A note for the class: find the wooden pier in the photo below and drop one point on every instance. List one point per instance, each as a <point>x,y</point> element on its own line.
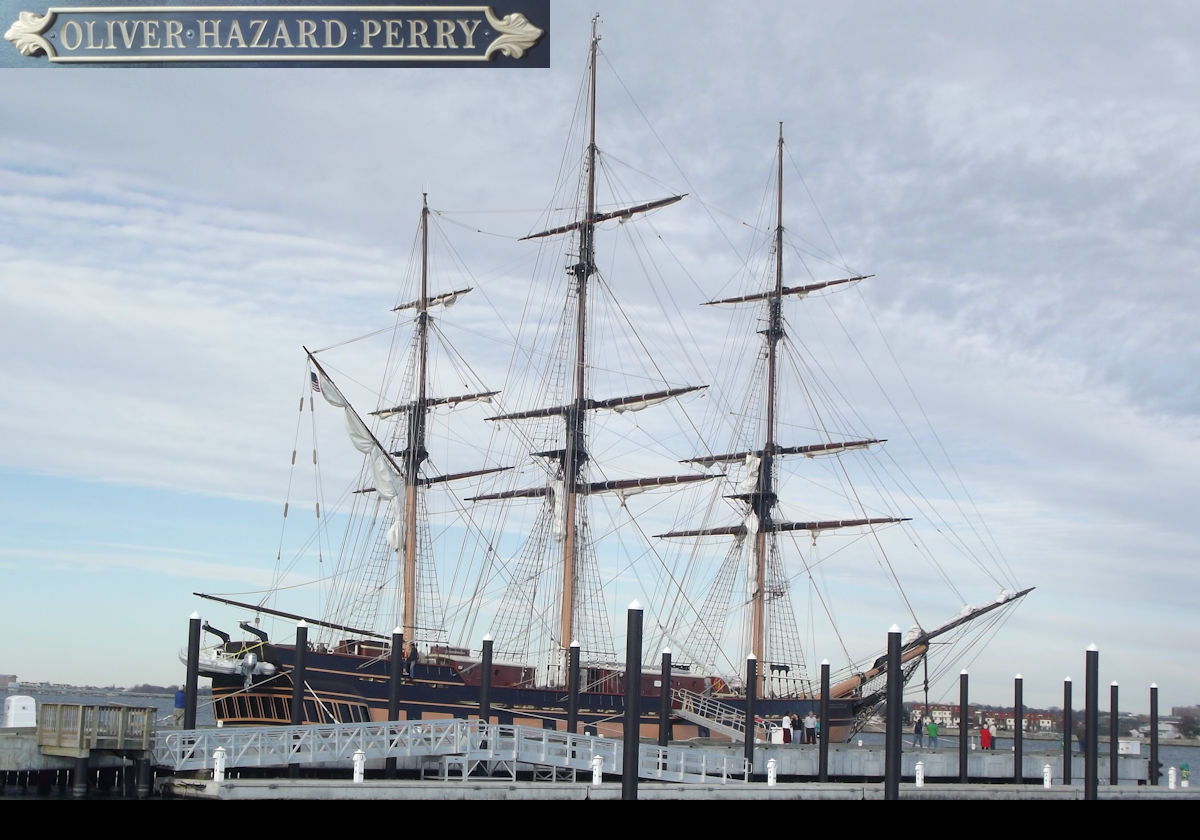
<point>74,744</point>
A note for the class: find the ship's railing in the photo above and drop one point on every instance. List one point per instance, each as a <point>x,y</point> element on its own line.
<point>72,729</point>
<point>476,743</point>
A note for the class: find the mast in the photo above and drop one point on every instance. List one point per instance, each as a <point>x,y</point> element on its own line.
<point>761,500</point>
<point>574,456</point>
<point>764,498</point>
<point>397,474</point>
<point>416,453</point>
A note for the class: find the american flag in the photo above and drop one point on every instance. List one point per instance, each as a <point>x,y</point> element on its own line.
<point>316,385</point>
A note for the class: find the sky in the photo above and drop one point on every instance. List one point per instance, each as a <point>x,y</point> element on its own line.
<point>1021,179</point>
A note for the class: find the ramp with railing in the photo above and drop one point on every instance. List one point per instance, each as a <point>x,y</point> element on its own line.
<point>445,747</point>
<point>717,716</point>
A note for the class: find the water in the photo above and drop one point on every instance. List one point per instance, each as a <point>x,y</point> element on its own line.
<point>1170,753</point>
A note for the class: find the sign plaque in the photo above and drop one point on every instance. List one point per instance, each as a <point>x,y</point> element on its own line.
<point>338,33</point>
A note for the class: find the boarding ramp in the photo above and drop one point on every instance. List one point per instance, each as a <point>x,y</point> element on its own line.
<point>444,748</point>
<point>718,717</point>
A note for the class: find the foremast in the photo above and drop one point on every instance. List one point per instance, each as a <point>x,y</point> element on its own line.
<point>396,473</point>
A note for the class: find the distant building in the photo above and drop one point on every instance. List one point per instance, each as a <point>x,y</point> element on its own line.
<point>7,680</point>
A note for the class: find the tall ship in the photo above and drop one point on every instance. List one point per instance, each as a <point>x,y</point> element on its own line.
<point>538,548</point>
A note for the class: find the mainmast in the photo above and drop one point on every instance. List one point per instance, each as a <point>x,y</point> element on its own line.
<point>575,451</point>
<point>573,457</point>
<point>764,498</point>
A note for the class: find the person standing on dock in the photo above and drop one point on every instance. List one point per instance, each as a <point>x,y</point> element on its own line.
<point>933,733</point>
<point>919,732</point>
<point>810,728</point>
<point>985,738</point>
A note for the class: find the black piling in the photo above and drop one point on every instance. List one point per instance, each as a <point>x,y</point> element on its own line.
<point>751,697</point>
<point>79,787</point>
<point>964,726</point>
<point>894,721</point>
<point>395,677</point>
<point>298,686</point>
<point>573,690</point>
<point>633,694</point>
<point>191,685</point>
<point>1091,717</point>
<point>664,701</point>
<point>485,683</point>
<point>1019,733</point>
<point>823,741</point>
<point>1113,729</point>
<point>1155,767</point>
<point>1067,731</point>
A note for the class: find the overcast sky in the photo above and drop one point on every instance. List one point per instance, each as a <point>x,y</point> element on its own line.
<point>1021,179</point>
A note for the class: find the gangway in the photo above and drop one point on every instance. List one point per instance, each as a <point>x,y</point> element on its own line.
<point>717,716</point>
<point>444,746</point>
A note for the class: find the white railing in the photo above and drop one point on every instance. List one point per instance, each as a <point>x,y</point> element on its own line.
<point>477,744</point>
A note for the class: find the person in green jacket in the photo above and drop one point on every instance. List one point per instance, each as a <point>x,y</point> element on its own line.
<point>932,731</point>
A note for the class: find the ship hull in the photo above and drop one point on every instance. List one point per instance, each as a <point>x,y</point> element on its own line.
<point>348,688</point>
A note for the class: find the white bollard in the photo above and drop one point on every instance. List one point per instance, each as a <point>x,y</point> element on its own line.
<point>920,774</point>
<point>860,742</point>
<point>597,769</point>
<point>360,766</point>
<point>1171,778</point>
<point>1046,775</point>
<point>771,776</point>
<point>219,764</point>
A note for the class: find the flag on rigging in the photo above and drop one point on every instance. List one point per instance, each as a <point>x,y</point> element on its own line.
<point>316,386</point>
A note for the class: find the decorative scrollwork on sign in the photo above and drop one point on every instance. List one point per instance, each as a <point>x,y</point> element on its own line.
<point>26,33</point>
<point>519,34</point>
